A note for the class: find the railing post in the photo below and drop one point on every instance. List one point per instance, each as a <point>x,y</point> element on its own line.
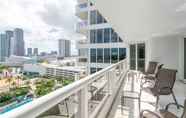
<point>110,78</point>
<point>76,77</point>
<point>83,103</point>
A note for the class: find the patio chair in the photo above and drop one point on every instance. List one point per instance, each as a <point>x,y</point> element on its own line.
<point>163,85</point>
<point>151,78</point>
<point>163,113</point>
<point>151,68</point>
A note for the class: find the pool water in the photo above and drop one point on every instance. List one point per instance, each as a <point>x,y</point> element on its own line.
<point>15,105</point>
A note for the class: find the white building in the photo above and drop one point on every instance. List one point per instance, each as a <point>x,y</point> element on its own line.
<point>64,48</point>
<point>54,70</point>
<point>103,46</point>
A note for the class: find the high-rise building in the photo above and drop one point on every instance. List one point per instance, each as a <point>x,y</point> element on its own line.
<point>64,48</point>
<point>36,52</point>
<point>29,51</point>
<point>3,47</point>
<point>103,45</point>
<point>9,37</point>
<point>17,43</point>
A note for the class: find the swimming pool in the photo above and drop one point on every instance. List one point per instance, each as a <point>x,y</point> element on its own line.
<point>15,105</point>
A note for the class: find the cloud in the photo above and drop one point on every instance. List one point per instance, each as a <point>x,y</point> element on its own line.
<point>43,21</point>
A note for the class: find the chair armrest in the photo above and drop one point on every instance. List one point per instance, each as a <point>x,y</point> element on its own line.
<point>167,106</point>
<point>153,113</point>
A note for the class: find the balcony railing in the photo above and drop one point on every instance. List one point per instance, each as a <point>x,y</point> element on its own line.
<point>90,94</point>
<point>81,25</point>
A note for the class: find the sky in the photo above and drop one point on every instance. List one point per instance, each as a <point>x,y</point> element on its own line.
<point>43,21</point>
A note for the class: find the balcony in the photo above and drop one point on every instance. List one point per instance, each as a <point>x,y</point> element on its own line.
<point>96,96</point>
<point>82,10</point>
<point>81,27</point>
<point>82,44</point>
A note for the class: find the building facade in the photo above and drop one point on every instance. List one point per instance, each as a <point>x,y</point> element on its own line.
<point>3,47</point>
<point>102,43</point>
<point>64,48</point>
<point>29,52</point>
<point>36,53</point>
<point>9,37</point>
<point>17,44</point>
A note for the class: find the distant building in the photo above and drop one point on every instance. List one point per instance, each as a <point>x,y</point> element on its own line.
<point>3,47</point>
<point>53,52</point>
<point>36,52</point>
<point>64,48</point>
<point>9,37</point>
<point>43,54</point>
<point>17,43</point>
<point>29,51</point>
<point>53,70</point>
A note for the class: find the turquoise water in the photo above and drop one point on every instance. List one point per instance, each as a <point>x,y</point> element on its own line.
<point>15,105</point>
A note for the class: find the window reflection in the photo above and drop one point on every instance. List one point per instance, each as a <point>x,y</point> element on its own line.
<point>99,55</point>
<point>93,55</point>
<point>107,55</point>
<point>114,54</point>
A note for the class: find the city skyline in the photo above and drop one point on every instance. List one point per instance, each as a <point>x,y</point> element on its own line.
<point>42,21</point>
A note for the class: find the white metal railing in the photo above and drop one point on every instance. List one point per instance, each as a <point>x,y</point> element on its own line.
<point>109,79</point>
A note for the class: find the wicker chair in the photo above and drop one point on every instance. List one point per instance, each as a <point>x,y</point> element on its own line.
<point>163,113</point>
<point>163,85</point>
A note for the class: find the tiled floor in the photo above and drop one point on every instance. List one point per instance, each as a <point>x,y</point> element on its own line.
<point>131,109</point>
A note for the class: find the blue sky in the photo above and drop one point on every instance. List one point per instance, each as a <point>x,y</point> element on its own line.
<point>44,21</point>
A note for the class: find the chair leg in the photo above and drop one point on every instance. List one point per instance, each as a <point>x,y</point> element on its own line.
<point>157,101</point>
<point>174,97</point>
<point>67,108</point>
<point>139,104</point>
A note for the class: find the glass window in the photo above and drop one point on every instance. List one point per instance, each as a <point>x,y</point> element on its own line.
<point>104,20</point>
<point>93,55</point>
<point>114,53</point>
<point>133,57</point>
<point>107,55</point>
<point>99,18</point>
<point>93,17</point>
<point>99,55</point>
<point>92,70</point>
<point>100,36</point>
<point>92,36</point>
<point>141,56</point>
<point>106,35</point>
<point>141,51</point>
<point>98,69</point>
<point>122,53</point>
<point>114,36</point>
<point>120,40</point>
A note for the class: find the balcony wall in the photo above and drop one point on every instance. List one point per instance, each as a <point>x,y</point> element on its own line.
<point>167,50</point>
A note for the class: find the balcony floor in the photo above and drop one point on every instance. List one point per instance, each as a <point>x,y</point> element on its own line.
<point>131,109</point>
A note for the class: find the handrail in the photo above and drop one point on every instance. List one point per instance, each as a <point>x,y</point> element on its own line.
<point>44,103</point>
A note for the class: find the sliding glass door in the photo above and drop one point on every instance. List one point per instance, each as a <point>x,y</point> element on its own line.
<point>137,56</point>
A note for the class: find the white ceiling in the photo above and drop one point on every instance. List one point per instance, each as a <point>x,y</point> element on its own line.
<point>142,19</point>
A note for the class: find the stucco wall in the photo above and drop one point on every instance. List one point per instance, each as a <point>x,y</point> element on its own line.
<point>167,50</point>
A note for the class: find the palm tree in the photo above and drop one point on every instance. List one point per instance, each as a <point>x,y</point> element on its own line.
<point>9,80</point>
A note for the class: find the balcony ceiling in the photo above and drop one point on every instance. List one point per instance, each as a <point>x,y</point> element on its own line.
<point>142,19</point>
